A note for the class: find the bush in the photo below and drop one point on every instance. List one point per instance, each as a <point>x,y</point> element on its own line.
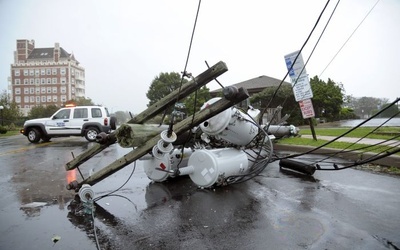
<point>3,130</point>
<point>11,126</point>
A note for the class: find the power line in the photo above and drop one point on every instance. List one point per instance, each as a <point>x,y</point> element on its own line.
<point>291,67</point>
<point>349,37</point>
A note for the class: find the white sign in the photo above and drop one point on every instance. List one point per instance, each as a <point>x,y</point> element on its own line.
<point>307,109</point>
<point>301,88</point>
<point>297,67</point>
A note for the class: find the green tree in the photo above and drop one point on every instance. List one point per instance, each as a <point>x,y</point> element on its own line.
<point>10,113</point>
<point>198,99</point>
<point>42,111</point>
<point>162,85</point>
<point>367,106</point>
<point>284,98</point>
<point>391,111</point>
<point>121,116</point>
<point>328,98</point>
<point>165,83</point>
<point>80,101</point>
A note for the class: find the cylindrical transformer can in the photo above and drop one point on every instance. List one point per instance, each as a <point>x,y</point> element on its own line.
<point>208,165</point>
<point>159,169</point>
<point>231,125</point>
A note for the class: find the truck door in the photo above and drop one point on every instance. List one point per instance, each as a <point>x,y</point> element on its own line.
<point>79,117</point>
<point>59,123</point>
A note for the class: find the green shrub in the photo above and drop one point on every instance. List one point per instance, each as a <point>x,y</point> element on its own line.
<point>11,126</point>
<point>3,130</point>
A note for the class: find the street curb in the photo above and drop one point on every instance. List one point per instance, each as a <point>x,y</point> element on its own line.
<point>390,161</point>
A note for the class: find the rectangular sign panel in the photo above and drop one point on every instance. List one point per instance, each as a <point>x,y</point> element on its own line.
<point>302,88</point>
<point>297,67</point>
<point>300,82</point>
<point>307,109</point>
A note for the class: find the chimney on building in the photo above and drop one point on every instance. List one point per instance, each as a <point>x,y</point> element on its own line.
<point>24,49</point>
<point>56,52</point>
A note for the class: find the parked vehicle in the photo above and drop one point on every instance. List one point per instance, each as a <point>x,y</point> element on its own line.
<point>87,121</point>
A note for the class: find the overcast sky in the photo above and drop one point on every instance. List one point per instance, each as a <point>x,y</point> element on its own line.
<point>124,45</point>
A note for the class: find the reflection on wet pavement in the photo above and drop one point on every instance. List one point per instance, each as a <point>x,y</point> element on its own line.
<point>279,209</point>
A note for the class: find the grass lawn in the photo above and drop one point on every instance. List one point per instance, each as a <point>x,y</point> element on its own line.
<point>10,133</point>
<point>381,133</point>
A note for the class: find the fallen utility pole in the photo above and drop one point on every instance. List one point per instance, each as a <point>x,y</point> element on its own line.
<point>155,109</point>
<point>233,97</point>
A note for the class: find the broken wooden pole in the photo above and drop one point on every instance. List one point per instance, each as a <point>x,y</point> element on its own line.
<point>186,89</point>
<point>134,135</point>
<point>179,128</point>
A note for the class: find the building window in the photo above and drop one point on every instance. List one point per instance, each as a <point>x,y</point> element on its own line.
<point>37,99</point>
<point>37,81</point>
<point>73,90</point>
<point>49,98</point>
<point>43,99</point>
<point>31,81</point>
<point>43,90</point>
<point>17,91</point>
<point>31,72</point>
<point>54,80</point>
<point>17,82</point>
<point>25,81</point>
<point>48,90</point>
<point>63,80</point>
<point>26,99</point>
<point>54,71</point>
<point>17,72</point>
<point>63,90</point>
<point>54,98</point>
<point>43,72</point>
<point>26,72</point>
<point>48,80</point>
<point>32,99</point>
<point>26,90</point>
<point>37,72</point>
<point>32,91</point>
<point>42,80</point>
<point>72,72</point>
<point>63,98</point>
<point>48,71</point>
<point>18,99</point>
<point>37,90</point>
<point>54,90</point>
<point>62,71</point>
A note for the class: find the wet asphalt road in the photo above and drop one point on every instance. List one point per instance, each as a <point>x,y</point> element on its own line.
<point>348,209</point>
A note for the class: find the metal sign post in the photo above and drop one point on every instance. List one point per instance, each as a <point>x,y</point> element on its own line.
<point>301,86</point>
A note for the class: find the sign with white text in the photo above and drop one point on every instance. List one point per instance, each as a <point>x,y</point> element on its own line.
<point>307,109</point>
<point>299,79</point>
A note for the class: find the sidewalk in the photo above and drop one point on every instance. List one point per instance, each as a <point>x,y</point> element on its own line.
<point>393,160</point>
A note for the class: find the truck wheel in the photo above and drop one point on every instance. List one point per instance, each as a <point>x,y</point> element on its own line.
<point>91,133</point>
<point>113,122</point>
<point>34,135</point>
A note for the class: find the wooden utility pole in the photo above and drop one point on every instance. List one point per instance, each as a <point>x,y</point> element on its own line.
<point>312,129</point>
<point>179,128</point>
<point>155,109</point>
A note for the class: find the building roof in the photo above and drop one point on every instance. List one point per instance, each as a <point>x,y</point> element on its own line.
<point>44,53</point>
<point>256,84</point>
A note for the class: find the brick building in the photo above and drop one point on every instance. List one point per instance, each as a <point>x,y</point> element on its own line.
<point>44,76</point>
